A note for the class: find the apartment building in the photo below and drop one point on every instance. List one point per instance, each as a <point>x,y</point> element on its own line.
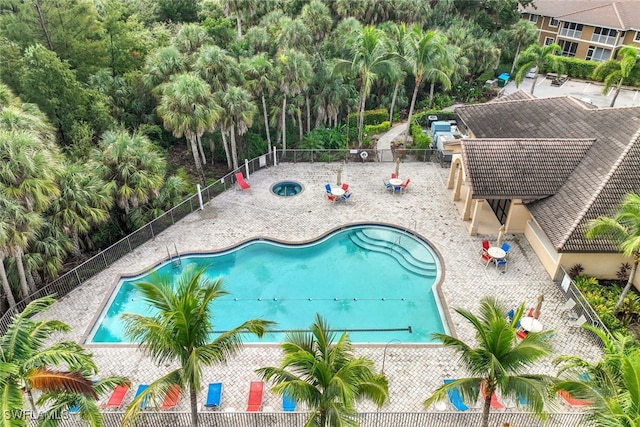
<point>587,29</point>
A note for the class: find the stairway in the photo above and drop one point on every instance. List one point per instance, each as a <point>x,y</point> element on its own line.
<point>404,249</point>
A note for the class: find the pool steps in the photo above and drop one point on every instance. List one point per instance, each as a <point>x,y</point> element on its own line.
<point>419,261</point>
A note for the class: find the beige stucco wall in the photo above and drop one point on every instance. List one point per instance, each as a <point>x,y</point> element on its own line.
<point>541,246</point>
<point>517,218</point>
<point>602,266</point>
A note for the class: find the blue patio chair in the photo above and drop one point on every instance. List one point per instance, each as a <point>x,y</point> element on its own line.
<point>505,247</point>
<point>328,188</point>
<point>455,397</point>
<point>345,196</point>
<point>288,403</point>
<point>501,263</point>
<point>387,185</point>
<point>510,314</point>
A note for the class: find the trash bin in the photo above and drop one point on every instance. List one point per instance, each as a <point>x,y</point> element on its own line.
<point>502,83</point>
<point>503,79</point>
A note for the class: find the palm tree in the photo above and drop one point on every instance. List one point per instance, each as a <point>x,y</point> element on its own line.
<point>428,59</point>
<point>537,56</point>
<point>4,249</point>
<point>187,108</point>
<point>181,331</point>
<point>239,113</point>
<point>20,226</point>
<point>498,360</point>
<point>215,66</point>
<point>325,374</point>
<point>397,36</point>
<point>623,230</point>
<point>260,81</point>
<point>522,33</point>
<point>237,8</point>
<point>29,356</point>
<point>295,75</point>
<point>190,38</point>
<point>610,384</point>
<point>371,59</point>
<point>161,65</point>
<point>84,202</point>
<point>132,164</point>
<point>618,71</point>
<point>29,168</point>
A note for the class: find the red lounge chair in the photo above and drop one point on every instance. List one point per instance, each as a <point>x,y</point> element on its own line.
<point>495,403</point>
<point>171,398</point>
<point>255,396</point>
<point>572,400</point>
<point>241,182</point>
<point>117,396</point>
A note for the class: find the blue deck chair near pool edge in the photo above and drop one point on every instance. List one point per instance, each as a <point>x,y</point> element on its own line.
<point>288,403</point>
<point>214,395</point>
<point>139,391</point>
<point>455,397</point>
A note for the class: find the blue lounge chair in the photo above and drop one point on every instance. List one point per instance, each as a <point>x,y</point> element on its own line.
<point>214,395</point>
<point>455,397</point>
<point>522,400</point>
<point>288,403</point>
<point>328,188</point>
<point>139,391</point>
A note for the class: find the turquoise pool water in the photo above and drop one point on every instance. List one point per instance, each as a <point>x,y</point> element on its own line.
<point>376,282</point>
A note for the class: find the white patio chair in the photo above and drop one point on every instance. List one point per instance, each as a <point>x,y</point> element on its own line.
<point>569,306</point>
<point>578,322</point>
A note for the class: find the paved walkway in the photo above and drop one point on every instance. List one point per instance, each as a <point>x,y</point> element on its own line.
<point>414,370</point>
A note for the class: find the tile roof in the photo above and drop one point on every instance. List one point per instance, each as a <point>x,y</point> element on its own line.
<point>598,183</point>
<point>621,14</point>
<point>520,168</point>
<point>514,96</point>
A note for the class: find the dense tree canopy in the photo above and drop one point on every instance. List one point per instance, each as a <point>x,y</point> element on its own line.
<point>120,85</point>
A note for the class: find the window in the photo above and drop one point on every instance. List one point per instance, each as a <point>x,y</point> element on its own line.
<point>501,208</point>
<point>553,22</point>
<point>637,37</point>
<point>548,41</point>
<point>571,29</point>
<point>598,54</point>
<point>568,48</point>
<point>533,18</point>
<point>604,35</point>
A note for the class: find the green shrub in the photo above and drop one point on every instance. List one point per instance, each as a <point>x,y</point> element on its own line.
<point>371,117</point>
<point>577,68</point>
<point>374,129</point>
<point>325,139</point>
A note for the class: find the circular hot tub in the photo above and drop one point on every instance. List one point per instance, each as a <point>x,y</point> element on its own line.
<point>286,188</point>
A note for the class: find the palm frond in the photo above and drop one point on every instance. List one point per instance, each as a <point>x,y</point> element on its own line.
<point>46,380</point>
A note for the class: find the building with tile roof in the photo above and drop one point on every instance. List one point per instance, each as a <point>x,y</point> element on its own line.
<point>545,168</point>
<point>586,29</point>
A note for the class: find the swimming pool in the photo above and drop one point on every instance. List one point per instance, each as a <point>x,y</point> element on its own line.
<point>376,282</point>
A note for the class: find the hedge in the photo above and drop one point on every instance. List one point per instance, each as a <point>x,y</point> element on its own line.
<point>374,129</point>
<point>371,117</point>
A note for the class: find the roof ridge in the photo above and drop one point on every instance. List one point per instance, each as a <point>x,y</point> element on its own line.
<point>614,5</point>
<point>594,197</point>
<point>598,6</point>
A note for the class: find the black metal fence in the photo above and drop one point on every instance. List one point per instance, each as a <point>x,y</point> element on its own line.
<point>582,308</point>
<point>369,419</point>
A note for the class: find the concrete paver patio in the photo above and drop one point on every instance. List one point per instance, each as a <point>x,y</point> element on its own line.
<point>427,207</point>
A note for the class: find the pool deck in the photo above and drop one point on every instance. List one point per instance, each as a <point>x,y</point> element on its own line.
<point>427,208</point>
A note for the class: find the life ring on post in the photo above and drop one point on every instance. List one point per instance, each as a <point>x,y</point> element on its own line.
<point>364,155</point>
